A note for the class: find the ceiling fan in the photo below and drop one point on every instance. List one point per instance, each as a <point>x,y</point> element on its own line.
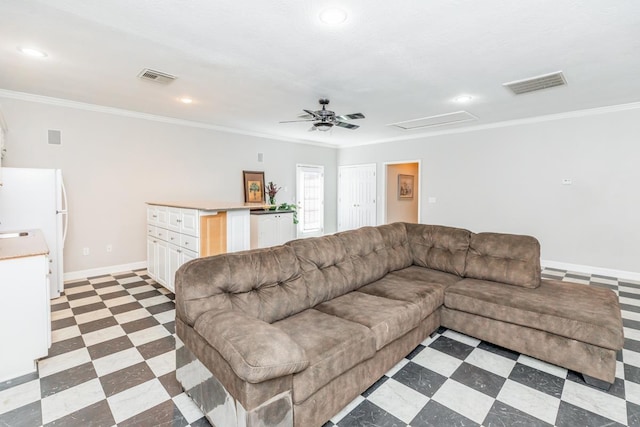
<point>326,119</point>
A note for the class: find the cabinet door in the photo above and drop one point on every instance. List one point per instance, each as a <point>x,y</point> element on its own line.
<point>163,218</point>
<point>286,228</point>
<point>152,257</point>
<point>189,222</point>
<point>173,219</point>
<point>188,255</point>
<point>162,262</point>
<point>268,231</point>
<point>175,261</point>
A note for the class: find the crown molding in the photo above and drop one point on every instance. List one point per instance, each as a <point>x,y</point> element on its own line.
<point>59,102</point>
<point>508,123</point>
<point>29,97</point>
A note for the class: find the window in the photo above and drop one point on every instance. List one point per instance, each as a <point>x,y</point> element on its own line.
<point>310,192</point>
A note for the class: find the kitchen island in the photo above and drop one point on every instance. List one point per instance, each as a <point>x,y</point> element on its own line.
<point>180,231</point>
<point>25,314</point>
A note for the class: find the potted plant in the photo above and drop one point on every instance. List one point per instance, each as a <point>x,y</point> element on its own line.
<point>271,190</point>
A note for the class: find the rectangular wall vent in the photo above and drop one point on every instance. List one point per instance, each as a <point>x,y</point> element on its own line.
<point>156,76</point>
<point>432,121</point>
<point>533,84</point>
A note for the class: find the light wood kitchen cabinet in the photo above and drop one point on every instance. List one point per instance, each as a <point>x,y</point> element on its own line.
<point>178,234</point>
<point>271,228</point>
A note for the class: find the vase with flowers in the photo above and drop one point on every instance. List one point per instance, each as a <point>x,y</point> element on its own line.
<point>271,190</point>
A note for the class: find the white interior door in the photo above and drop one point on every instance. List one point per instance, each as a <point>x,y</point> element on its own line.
<point>356,196</point>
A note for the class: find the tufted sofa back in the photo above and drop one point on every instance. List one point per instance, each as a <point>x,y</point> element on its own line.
<point>274,283</point>
<point>263,283</point>
<point>439,247</point>
<point>506,258</point>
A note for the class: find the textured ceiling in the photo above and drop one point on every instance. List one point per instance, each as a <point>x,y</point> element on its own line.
<point>252,63</point>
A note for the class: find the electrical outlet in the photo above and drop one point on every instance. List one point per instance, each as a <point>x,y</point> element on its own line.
<point>109,248</point>
<point>85,251</point>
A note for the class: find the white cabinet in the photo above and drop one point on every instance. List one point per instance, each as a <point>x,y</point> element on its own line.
<point>25,317</point>
<point>271,228</point>
<point>185,221</point>
<point>176,235</point>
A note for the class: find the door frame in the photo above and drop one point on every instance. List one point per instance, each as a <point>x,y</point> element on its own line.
<point>383,193</point>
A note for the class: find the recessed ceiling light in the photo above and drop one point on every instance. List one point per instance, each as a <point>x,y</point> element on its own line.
<point>333,16</point>
<point>32,52</point>
<point>463,98</point>
<point>186,100</point>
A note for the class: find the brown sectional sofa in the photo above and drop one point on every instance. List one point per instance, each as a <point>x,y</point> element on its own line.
<point>287,336</point>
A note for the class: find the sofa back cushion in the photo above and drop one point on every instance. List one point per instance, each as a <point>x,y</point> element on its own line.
<point>396,243</point>
<point>340,263</point>
<point>326,269</point>
<point>439,247</point>
<point>368,253</point>
<point>265,283</point>
<point>506,258</point>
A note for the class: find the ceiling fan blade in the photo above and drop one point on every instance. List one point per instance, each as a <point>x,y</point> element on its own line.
<point>293,121</point>
<point>305,116</point>
<point>346,125</point>
<point>311,113</point>
<point>351,116</point>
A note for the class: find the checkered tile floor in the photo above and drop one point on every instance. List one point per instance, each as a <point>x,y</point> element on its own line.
<point>112,362</point>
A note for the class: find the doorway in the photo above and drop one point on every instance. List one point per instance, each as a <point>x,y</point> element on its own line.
<point>402,192</point>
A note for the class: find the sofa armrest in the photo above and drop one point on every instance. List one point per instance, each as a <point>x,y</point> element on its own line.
<point>255,350</point>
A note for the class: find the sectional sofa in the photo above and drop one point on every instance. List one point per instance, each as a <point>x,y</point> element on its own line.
<point>287,336</point>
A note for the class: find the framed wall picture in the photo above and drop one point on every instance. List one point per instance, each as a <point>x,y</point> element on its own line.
<point>253,186</point>
<point>405,186</point>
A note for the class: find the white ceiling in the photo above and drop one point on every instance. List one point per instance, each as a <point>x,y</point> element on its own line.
<point>249,64</point>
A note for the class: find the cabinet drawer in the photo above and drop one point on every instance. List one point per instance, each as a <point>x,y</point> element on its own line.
<point>189,242</point>
<point>151,230</point>
<point>173,237</point>
<point>162,233</point>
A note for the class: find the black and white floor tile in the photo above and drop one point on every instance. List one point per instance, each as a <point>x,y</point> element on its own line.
<point>112,362</point>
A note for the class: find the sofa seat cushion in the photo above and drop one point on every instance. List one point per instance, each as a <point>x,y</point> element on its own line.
<point>427,296</point>
<point>388,319</point>
<point>332,345</point>
<point>416,273</point>
<point>580,312</point>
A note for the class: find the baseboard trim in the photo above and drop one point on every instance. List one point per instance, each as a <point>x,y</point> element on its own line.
<point>621,274</point>
<point>82,274</point>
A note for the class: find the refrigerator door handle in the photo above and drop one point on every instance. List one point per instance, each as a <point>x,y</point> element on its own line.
<point>64,212</point>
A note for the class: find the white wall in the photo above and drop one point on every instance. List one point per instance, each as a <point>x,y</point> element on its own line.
<point>401,210</point>
<point>509,179</point>
<point>113,164</point>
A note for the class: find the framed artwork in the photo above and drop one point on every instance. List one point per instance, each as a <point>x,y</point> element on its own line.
<point>253,186</point>
<point>405,187</point>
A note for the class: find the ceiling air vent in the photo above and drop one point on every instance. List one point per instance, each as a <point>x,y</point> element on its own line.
<point>432,121</point>
<point>156,76</point>
<point>533,84</point>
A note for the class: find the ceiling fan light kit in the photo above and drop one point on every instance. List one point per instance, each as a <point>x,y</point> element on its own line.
<point>326,119</point>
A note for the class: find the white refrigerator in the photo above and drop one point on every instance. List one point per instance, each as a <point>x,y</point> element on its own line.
<point>36,199</point>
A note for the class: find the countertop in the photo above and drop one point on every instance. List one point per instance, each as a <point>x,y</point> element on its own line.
<point>269,212</point>
<point>18,247</point>
<point>207,205</point>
